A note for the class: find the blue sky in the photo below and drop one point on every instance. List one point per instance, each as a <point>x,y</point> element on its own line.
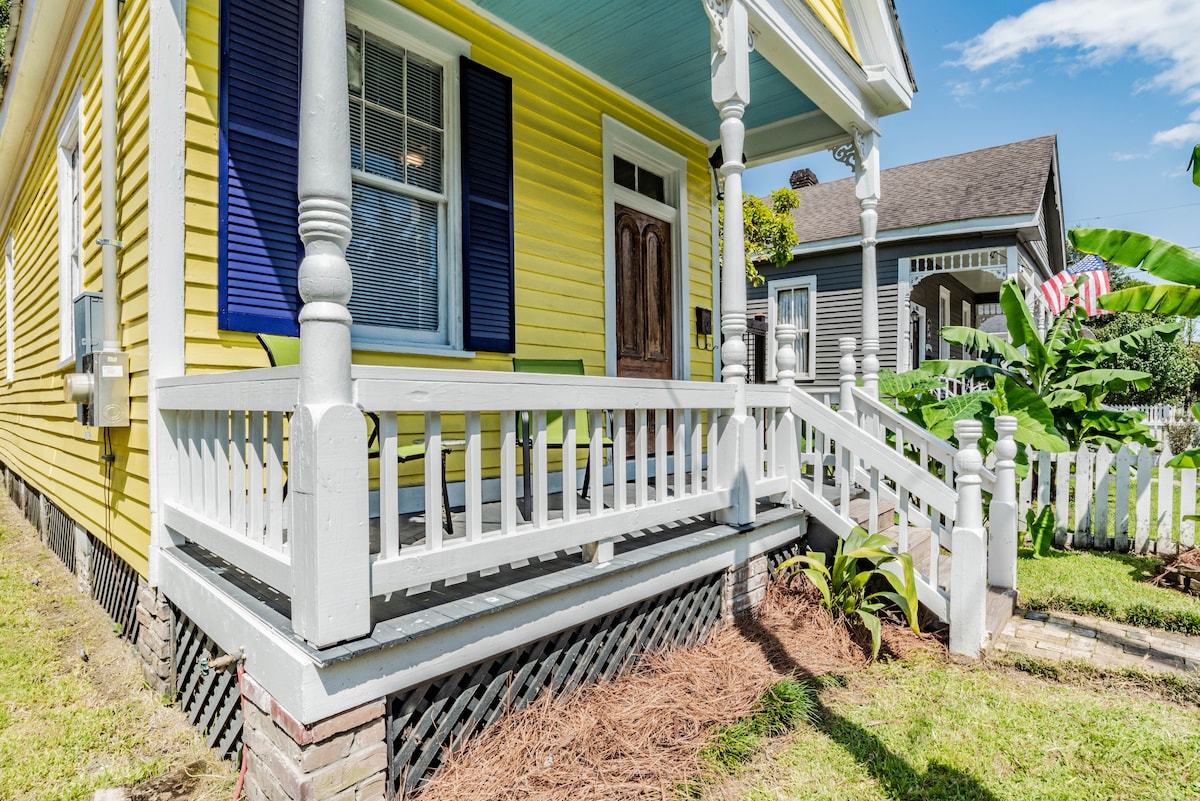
<point>1117,80</point>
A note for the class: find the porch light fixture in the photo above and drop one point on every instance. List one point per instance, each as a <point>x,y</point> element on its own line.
<point>715,161</point>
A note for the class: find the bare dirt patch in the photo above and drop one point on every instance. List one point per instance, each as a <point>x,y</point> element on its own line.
<point>75,714</point>
<point>640,736</point>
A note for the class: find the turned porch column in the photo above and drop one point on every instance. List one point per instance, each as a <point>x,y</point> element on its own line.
<point>328,480</point>
<point>730,94</point>
<point>862,155</point>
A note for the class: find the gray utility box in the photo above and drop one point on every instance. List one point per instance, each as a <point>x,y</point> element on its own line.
<point>100,384</point>
<point>89,326</point>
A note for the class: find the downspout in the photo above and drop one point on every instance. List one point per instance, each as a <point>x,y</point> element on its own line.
<point>108,176</point>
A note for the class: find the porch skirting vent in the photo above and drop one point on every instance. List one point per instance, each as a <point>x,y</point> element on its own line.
<point>115,586</point>
<point>423,721</point>
<point>209,698</point>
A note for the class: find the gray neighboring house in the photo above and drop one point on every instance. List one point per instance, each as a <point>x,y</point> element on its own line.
<point>951,230</point>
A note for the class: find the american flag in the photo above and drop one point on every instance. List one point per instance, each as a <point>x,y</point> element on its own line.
<point>1090,267</point>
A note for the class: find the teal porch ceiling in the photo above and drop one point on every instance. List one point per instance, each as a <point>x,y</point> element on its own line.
<point>656,50</point>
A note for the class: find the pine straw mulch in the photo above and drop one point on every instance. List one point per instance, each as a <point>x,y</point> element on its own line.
<point>639,737</point>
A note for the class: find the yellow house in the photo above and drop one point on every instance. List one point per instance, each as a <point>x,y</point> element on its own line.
<point>426,193</point>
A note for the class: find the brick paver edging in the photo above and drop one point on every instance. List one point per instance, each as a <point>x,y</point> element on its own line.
<point>1059,636</point>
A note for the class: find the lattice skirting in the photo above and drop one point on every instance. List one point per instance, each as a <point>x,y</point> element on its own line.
<point>422,722</point>
<point>115,586</point>
<point>114,582</point>
<point>210,698</point>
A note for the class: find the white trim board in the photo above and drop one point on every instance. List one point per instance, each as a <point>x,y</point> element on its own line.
<point>165,240</point>
<point>981,226</point>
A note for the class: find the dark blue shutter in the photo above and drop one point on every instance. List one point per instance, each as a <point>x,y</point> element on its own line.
<point>259,247</point>
<point>489,297</point>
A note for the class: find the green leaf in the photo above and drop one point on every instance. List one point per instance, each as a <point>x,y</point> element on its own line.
<point>1165,299</point>
<point>1035,419</point>
<point>1112,380</point>
<point>872,623</point>
<point>1156,256</point>
<point>908,383</point>
<point>1135,339</point>
<point>1187,459</point>
<point>1022,329</point>
<point>974,339</point>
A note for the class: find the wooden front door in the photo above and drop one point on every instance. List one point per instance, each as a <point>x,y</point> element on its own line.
<point>644,310</point>
<point>645,343</point>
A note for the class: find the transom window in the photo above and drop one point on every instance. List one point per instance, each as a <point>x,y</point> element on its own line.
<point>398,250</point>
<point>793,301</point>
<point>639,179</point>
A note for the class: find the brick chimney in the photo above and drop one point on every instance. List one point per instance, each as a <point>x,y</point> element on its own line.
<point>803,178</point>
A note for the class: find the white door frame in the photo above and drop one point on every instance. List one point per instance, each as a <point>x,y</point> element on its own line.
<point>621,140</point>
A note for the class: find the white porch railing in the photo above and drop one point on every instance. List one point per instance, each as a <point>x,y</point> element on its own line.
<point>676,451</point>
<point>226,478</point>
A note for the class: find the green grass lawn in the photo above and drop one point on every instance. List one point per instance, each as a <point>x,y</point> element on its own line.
<point>70,725</point>
<point>927,729</point>
<point>1108,585</point>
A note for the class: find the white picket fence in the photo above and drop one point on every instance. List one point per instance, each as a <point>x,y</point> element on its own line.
<point>1128,500</point>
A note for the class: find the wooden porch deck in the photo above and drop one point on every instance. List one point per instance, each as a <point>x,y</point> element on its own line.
<point>408,616</point>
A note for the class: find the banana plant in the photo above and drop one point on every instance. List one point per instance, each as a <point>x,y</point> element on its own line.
<point>1054,385</point>
<point>1156,256</point>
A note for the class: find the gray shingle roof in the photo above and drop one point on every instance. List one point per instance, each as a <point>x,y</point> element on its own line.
<point>993,182</point>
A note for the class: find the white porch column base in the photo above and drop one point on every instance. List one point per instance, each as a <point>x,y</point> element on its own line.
<point>1002,516</point>
<point>968,565</point>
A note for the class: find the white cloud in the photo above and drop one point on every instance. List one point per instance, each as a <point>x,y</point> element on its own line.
<point>1186,134</point>
<point>1160,32</point>
<point>1129,156</point>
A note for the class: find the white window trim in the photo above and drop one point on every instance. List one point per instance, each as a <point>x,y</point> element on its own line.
<point>9,326</point>
<point>943,320</point>
<point>621,140</point>
<point>69,138</point>
<point>808,282</point>
<point>410,31</point>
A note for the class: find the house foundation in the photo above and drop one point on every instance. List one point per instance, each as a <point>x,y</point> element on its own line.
<point>341,758</point>
<point>155,640</point>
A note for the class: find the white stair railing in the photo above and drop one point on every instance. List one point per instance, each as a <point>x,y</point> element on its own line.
<point>921,490</point>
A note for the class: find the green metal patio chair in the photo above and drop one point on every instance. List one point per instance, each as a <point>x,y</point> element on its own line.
<point>554,424</point>
<point>283,351</point>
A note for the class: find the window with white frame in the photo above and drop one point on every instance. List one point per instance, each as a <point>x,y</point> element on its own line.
<point>401,254</point>
<point>70,230</point>
<point>9,326</point>
<point>794,300</point>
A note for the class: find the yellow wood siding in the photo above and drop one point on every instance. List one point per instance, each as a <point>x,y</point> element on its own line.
<point>833,14</point>
<point>39,437</point>
<point>558,188</point>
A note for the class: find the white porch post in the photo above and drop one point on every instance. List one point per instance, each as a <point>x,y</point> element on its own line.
<point>731,94</point>
<point>862,155</point>
<point>1002,516</point>
<point>330,539</point>
<point>968,565</point>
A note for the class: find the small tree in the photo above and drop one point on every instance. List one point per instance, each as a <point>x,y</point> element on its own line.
<point>1170,363</point>
<point>770,230</point>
